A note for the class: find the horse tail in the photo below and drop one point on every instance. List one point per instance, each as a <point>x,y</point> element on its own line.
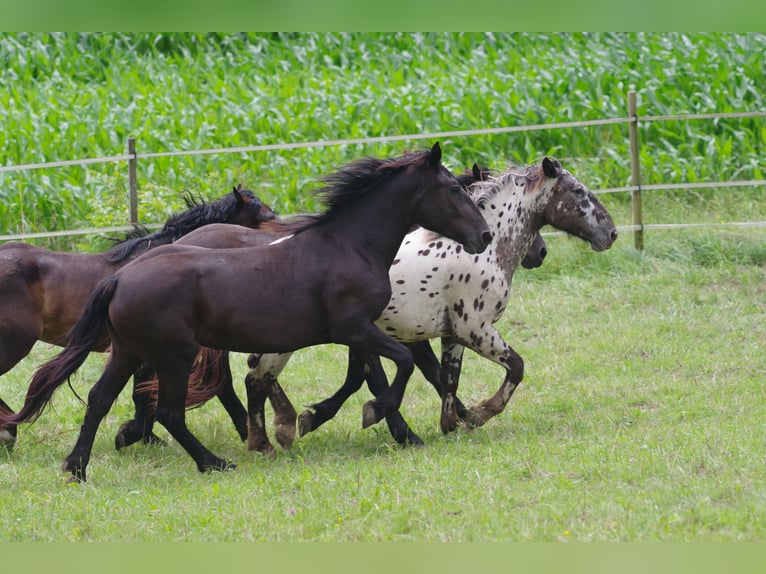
<point>207,377</point>
<point>87,334</point>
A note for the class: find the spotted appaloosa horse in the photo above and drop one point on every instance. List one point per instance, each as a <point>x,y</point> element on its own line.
<point>43,293</point>
<point>439,290</point>
<point>325,282</point>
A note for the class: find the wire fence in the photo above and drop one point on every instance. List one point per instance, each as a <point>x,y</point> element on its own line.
<point>632,119</point>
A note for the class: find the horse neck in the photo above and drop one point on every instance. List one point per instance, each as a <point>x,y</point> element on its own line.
<point>378,222</point>
<point>515,215</point>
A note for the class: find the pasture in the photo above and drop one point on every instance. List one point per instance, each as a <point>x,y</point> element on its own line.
<point>640,419</point>
<point>640,416</point>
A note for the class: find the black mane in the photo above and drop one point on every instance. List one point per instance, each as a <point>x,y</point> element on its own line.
<point>199,213</point>
<point>356,178</point>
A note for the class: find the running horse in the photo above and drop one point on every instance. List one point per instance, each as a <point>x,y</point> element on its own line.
<point>326,281</point>
<point>440,291</point>
<point>43,293</point>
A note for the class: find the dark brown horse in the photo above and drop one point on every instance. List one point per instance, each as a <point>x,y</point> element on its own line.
<point>43,293</point>
<point>324,282</point>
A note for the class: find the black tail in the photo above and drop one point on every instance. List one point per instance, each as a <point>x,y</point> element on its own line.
<point>87,334</point>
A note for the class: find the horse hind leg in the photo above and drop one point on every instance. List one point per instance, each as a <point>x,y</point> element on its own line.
<point>7,433</point>
<point>140,427</point>
<point>230,401</point>
<point>14,346</point>
<point>173,379</point>
<point>100,399</point>
<point>285,415</point>
<point>264,370</point>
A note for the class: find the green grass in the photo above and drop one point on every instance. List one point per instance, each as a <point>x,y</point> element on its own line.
<point>639,419</point>
<point>641,414</point>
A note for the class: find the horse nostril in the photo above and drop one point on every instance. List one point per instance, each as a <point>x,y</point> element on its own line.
<point>486,237</point>
<point>543,253</point>
<point>614,235</point>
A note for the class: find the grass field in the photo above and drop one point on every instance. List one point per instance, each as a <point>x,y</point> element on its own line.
<point>640,419</point>
<point>641,415</point>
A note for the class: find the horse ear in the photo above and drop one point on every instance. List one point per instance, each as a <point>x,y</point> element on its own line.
<point>551,167</point>
<point>476,170</point>
<point>236,191</point>
<point>436,154</point>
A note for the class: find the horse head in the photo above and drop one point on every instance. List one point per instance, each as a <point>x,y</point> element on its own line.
<point>573,208</point>
<point>248,210</point>
<point>447,208</point>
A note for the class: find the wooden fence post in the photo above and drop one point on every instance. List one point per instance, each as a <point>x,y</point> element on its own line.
<point>635,173</point>
<point>132,182</point>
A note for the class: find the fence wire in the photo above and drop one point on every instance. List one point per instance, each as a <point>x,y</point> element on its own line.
<point>133,157</point>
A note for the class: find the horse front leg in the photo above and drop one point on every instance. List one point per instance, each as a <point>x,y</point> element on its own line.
<point>100,399</point>
<point>319,413</point>
<point>500,352</point>
<point>265,368</point>
<point>452,360</point>
<point>428,364</point>
<point>259,383</point>
<point>378,384</point>
<point>375,341</point>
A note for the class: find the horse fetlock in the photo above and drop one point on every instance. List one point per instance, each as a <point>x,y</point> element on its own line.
<point>476,417</point>
<point>305,422</point>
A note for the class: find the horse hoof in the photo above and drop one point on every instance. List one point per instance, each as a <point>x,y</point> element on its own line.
<point>305,423</point>
<point>449,424</point>
<point>476,417</point>
<point>285,435</point>
<point>371,414</point>
<point>77,474</point>
<point>153,439</point>
<point>411,439</point>
<point>219,465</point>
<point>8,438</point>
<point>261,445</point>
<point>126,436</point>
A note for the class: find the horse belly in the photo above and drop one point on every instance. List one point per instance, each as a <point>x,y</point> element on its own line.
<point>270,320</point>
